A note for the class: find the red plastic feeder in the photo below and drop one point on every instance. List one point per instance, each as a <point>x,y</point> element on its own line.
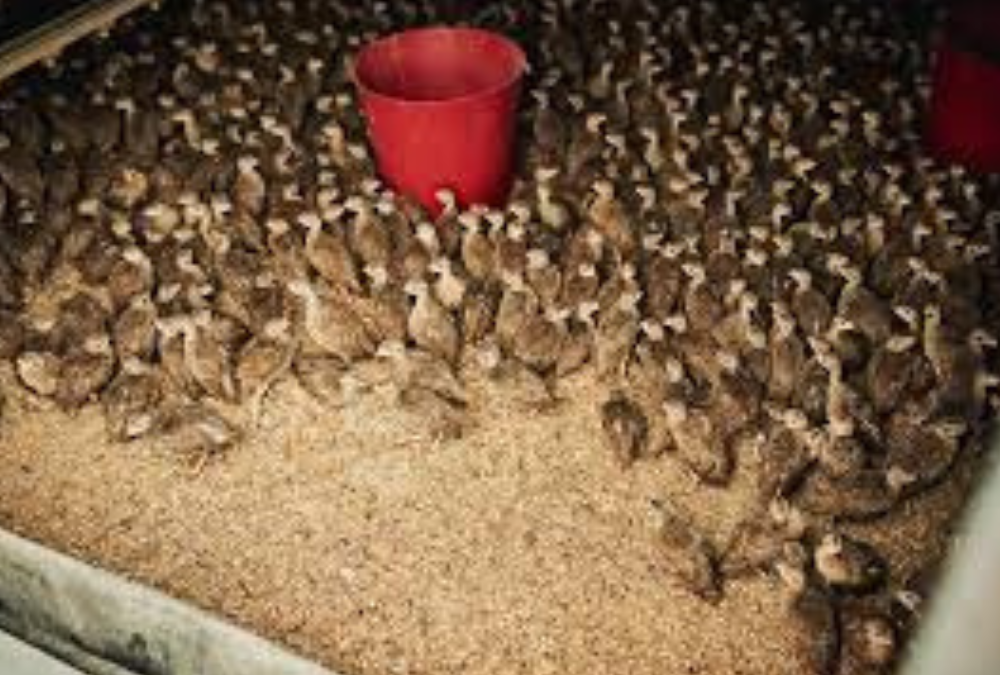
<point>965,101</point>
<point>441,108</point>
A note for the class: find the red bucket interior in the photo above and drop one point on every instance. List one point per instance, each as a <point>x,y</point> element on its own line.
<point>438,64</point>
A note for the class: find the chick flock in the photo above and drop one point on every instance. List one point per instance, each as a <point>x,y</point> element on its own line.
<point>723,209</point>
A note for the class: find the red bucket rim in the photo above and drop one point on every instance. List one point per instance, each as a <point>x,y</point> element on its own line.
<point>974,28</point>
<point>506,83</point>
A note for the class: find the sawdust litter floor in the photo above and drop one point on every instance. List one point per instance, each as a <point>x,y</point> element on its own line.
<point>350,538</point>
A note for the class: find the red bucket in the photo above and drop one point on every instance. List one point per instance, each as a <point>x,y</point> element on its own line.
<point>964,124</point>
<point>441,106</point>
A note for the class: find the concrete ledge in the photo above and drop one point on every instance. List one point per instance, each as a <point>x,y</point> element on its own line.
<point>46,41</point>
<point>104,625</point>
<point>20,658</point>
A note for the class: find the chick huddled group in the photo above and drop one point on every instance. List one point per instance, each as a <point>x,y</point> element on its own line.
<point>723,210</point>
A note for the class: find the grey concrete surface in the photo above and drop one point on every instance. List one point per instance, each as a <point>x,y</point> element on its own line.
<point>962,634</point>
<point>20,658</point>
<point>106,625</point>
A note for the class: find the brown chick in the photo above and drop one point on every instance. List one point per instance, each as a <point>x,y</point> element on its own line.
<point>583,246</point>
<point>208,355</point>
<point>687,554</point>
<point>129,187</point>
<point>141,135</point>
<point>12,333</point>
<point>811,308</point>
<point>615,336</point>
<point>620,282</point>
<point>785,460</point>
<point>249,191</point>
<point>580,288</point>
<point>448,229</point>
<point>740,331</point>
<point>38,371</point>
<point>80,316</point>
<point>285,247</point>
<point>132,401</point>
<point>384,311</point>
<point>450,284</point>
<point>31,249</point>
<point>84,372</point>
<point>699,446</point>
<point>759,541</point>
<point>736,400</point>
<point>416,252</point>
<point>327,252</point>
<point>11,284</point>
<point>957,361</point>
<point>197,431</point>
<point>262,361</point>
<point>554,213</point>
<point>415,369</point>
<point>919,453</point>
<point>330,324</point>
<point>369,238</point>
<point>62,174</point>
<point>324,378</point>
<point>544,278</point>
<point>539,341</point>
<point>517,305</point>
<point>586,146</point>
<point>702,307</point>
<point>576,352</point>
<point>20,173</point>
<point>171,350</point>
<point>25,127</point>
<point>787,352</point>
<point>861,497</point>
<point>131,276</point>
<point>651,370</point>
<point>477,313</point>
<point>478,251</point>
<point>816,631</point>
<point>134,330</point>
<point>548,129</point>
<point>430,325</point>
<point>626,429</point>
<point>893,371</point>
<point>840,419</point>
<point>444,419</point>
<point>859,306</point>
<point>608,216</point>
<point>104,127</point>
<point>245,231</point>
<point>840,457</point>
<point>849,565</point>
<point>512,250</point>
<point>870,640</point>
<point>662,281</point>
